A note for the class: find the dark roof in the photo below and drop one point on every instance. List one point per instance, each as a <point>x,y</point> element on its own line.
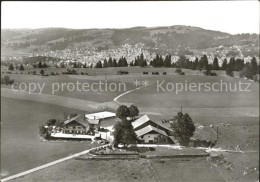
<point>148,129</point>
<point>79,118</point>
<point>145,119</point>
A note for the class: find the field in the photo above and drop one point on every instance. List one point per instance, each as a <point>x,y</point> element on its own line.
<point>240,110</point>
<point>21,147</point>
<point>127,170</point>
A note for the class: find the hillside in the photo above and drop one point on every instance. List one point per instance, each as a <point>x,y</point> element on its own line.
<point>22,41</point>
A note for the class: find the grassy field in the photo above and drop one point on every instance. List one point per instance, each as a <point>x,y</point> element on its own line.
<point>49,87</point>
<point>245,167</point>
<point>238,109</point>
<point>125,170</point>
<point>113,70</point>
<point>21,147</point>
<point>101,171</point>
<point>187,170</point>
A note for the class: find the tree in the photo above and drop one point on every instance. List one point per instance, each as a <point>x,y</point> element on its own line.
<point>158,61</point>
<point>122,112</point>
<point>181,62</point>
<point>195,64</point>
<point>75,65</point>
<point>124,62</point>
<point>183,127</point>
<point>254,67</point>
<point>215,64</point>
<point>110,62</point>
<point>123,130</point>
<point>21,67</point>
<point>229,70</point>
<point>246,72</point>
<point>203,63</point>
<point>42,72</point>
<point>6,80</point>
<point>44,65</point>
<point>133,111</point>
<point>11,67</point>
<point>105,64</point>
<point>167,61</point>
<point>232,63</point>
<point>239,64</point>
<point>62,65</point>
<point>114,64</point>
<point>51,122</point>
<point>98,65</point>
<point>224,64</point>
<point>40,64</point>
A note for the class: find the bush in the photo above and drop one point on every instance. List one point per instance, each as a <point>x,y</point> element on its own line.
<point>255,78</point>
<point>52,73</point>
<point>120,72</point>
<point>70,72</point>
<point>164,73</point>
<point>6,80</point>
<point>209,73</point>
<point>178,70</point>
<point>51,122</point>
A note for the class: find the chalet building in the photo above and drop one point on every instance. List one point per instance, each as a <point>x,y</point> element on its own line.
<point>76,125</point>
<point>86,124</point>
<point>148,131</point>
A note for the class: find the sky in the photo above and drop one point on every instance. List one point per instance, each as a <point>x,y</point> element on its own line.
<point>226,16</point>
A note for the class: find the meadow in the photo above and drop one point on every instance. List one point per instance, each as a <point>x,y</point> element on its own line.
<point>21,146</point>
<point>127,170</point>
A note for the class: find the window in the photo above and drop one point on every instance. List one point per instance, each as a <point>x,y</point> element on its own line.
<point>79,127</point>
<point>67,127</point>
<point>74,127</point>
<point>148,136</point>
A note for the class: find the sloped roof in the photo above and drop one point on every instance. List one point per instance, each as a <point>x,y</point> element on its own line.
<point>148,129</point>
<point>93,121</point>
<point>145,119</point>
<point>100,115</point>
<point>205,134</point>
<point>78,118</point>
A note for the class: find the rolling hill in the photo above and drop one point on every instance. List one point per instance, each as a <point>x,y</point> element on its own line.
<point>162,38</point>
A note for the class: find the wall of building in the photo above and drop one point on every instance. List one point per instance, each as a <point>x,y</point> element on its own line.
<point>74,127</point>
<point>156,138</point>
<point>149,138</point>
